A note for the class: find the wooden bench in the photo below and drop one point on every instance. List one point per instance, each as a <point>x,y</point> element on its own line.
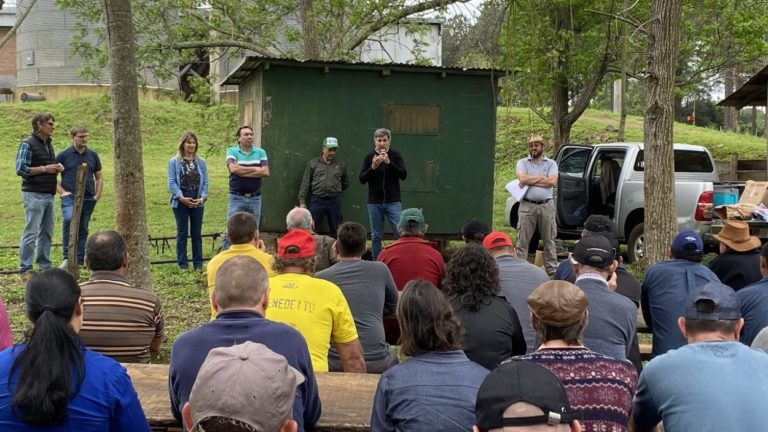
<point>347,398</point>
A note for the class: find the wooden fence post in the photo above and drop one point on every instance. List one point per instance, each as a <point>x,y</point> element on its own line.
<point>734,175</point>
<point>74,225</point>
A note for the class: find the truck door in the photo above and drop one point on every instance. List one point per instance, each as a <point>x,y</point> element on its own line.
<point>572,190</point>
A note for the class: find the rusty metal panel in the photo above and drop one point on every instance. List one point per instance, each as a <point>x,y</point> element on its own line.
<point>412,119</point>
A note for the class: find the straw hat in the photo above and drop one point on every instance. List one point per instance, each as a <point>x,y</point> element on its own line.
<point>735,235</point>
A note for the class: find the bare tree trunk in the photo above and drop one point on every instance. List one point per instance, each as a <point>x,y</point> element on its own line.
<point>753,128</point>
<point>729,116</point>
<point>311,48</point>
<point>561,128</point>
<point>624,67</point>
<point>130,211</point>
<point>663,40</point>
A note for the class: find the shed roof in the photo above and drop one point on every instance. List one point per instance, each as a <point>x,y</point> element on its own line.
<point>754,92</point>
<point>252,63</point>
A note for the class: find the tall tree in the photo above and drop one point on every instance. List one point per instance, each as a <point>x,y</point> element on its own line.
<point>175,32</point>
<point>130,212</point>
<point>558,52</point>
<point>663,41</point>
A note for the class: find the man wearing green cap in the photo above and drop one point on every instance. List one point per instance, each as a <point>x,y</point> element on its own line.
<point>411,257</point>
<point>324,179</point>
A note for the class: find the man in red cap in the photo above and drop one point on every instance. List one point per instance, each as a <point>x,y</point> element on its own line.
<point>315,307</point>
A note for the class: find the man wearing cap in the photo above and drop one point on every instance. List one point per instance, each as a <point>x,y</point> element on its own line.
<point>539,174</point>
<point>383,169</point>
<point>242,232</point>
<point>241,297</point>
<point>301,218</point>
<point>411,257</point>
<point>475,231</point>
<point>600,386</point>
<point>738,264</point>
<point>324,179</point>
<point>315,307</point>
<point>517,277</point>
<point>714,383</point>
<point>523,396</point>
<point>247,165</point>
<point>667,284</point>
<point>754,302</point>
<point>611,329</point>
<point>243,387</point>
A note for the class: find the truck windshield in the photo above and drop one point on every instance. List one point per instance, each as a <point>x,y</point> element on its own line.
<point>690,161</point>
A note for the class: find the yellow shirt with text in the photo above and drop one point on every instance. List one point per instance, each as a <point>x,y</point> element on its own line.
<point>316,308</point>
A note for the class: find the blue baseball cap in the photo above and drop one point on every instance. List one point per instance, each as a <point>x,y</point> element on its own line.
<point>713,302</point>
<point>687,243</point>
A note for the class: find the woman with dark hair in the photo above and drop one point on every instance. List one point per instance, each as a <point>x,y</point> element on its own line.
<point>434,390</point>
<point>188,183</point>
<point>492,331</point>
<point>51,381</point>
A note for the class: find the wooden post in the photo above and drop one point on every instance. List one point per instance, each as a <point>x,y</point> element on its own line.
<point>74,225</point>
<point>765,133</point>
<point>734,172</point>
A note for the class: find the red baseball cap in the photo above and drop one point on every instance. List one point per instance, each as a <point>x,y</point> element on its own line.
<point>299,239</point>
<point>496,239</point>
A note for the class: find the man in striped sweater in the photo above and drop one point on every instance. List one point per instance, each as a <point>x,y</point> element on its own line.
<point>119,320</point>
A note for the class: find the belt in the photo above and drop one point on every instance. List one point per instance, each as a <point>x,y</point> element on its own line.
<point>537,202</point>
<point>247,194</point>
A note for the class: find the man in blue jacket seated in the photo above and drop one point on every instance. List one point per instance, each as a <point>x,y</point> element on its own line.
<point>241,297</point>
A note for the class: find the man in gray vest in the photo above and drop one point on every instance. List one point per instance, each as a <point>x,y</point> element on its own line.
<point>36,165</point>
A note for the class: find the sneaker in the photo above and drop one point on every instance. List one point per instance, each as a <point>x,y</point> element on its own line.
<point>64,264</point>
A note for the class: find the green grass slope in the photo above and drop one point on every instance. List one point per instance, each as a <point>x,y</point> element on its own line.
<point>184,297</point>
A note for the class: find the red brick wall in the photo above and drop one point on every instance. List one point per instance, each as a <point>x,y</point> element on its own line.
<point>7,54</point>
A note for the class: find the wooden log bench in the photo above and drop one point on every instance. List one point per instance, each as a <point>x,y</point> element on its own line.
<point>347,398</point>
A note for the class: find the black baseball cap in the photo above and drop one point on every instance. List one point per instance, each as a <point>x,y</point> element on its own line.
<point>522,381</point>
<point>594,250</point>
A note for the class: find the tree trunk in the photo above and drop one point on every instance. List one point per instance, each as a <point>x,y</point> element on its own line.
<point>729,116</point>
<point>130,211</point>
<point>753,128</point>
<point>663,40</point>
<point>624,68</point>
<point>309,30</point>
<point>561,126</point>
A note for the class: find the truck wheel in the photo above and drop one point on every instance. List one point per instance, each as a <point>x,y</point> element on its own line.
<point>636,243</point>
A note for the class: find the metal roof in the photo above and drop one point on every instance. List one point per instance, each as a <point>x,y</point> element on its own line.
<point>252,63</point>
<point>754,92</point>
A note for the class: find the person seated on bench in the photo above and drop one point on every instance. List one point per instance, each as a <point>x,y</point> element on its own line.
<point>51,381</point>
<point>242,388</point>
<point>434,390</point>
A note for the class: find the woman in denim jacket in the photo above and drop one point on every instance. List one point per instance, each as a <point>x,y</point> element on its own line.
<point>188,184</point>
<point>434,390</point>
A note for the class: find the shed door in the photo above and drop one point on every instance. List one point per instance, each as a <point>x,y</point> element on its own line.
<point>572,190</point>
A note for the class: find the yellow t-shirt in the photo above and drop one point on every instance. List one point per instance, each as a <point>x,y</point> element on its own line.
<point>248,249</point>
<point>316,308</point>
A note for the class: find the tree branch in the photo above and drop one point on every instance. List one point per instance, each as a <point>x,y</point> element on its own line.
<point>222,44</point>
<point>386,20</point>
<point>15,27</point>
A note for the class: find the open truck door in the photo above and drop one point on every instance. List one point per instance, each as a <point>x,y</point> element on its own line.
<point>572,185</point>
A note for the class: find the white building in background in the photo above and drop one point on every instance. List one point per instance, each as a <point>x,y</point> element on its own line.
<point>399,44</point>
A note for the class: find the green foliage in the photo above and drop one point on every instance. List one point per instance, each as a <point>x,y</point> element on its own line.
<point>474,44</point>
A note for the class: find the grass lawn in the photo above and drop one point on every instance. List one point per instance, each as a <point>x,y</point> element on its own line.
<point>183,293</point>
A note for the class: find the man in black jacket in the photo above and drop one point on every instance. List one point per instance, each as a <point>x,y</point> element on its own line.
<point>36,165</point>
<point>383,169</point>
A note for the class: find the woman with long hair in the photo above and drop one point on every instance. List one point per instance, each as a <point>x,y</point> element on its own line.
<point>492,330</point>
<point>188,184</point>
<point>434,390</point>
<point>51,381</point>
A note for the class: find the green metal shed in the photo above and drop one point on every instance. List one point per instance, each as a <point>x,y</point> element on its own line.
<point>443,120</point>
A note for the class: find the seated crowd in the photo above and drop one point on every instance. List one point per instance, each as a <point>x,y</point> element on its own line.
<point>487,342</point>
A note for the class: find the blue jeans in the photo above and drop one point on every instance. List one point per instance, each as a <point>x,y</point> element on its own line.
<point>189,223</point>
<point>376,214</point>
<point>67,208</point>
<point>38,230</point>
<point>329,208</point>
<point>240,203</point>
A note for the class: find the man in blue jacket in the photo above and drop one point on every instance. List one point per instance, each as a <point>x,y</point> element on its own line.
<point>241,297</point>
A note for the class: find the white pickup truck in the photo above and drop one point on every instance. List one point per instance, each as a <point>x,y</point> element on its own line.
<point>608,179</point>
